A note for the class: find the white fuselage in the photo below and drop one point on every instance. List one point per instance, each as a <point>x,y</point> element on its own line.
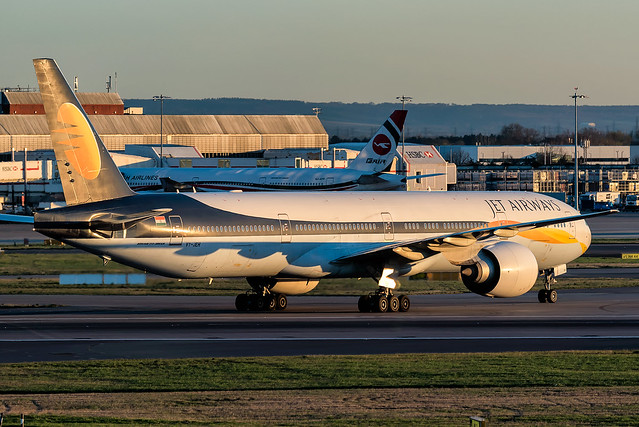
<point>303,234</point>
<point>264,179</point>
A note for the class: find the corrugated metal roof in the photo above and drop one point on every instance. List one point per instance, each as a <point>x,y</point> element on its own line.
<point>15,124</point>
<point>85,98</point>
<point>176,125</point>
<point>287,124</point>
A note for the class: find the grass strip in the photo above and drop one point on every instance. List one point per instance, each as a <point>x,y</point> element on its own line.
<point>520,369</point>
<point>517,389</point>
<point>57,262</point>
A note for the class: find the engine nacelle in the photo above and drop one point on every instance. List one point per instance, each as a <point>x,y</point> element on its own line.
<point>283,286</point>
<point>294,287</point>
<point>502,270</point>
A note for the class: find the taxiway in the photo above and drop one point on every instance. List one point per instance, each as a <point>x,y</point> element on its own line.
<point>72,327</point>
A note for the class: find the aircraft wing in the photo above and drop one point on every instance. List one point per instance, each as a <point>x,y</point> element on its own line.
<point>462,239</point>
<point>16,219</point>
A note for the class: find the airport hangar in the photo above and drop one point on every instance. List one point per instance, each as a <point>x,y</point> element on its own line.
<point>216,141</point>
<point>23,126</point>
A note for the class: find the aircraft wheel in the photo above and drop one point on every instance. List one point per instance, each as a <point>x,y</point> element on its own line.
<point>270,302</point>
<point>242,302</point>
<point>281,302</point>
<point>551,296</point>
<point>364,304</point>
<point>381,304</point>
<point>404,303</point>
<point>393,304</point>
<point>541,296</point>
<point>259,303</point>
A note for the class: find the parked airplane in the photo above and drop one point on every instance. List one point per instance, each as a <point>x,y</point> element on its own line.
<point>284,243</point>
<point>365,172</point>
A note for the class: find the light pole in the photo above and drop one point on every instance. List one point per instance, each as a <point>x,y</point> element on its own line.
<point>317,111</point>
<point>161,98</point>
<point>404,99</point>
<point>576,192</point>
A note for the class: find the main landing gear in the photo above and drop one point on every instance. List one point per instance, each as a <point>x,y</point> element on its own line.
<point>383,301</point>
<point>257,302</point>
<point>547,294</point>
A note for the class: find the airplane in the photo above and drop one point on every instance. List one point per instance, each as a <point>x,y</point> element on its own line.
<point>364,173</point>
<point>283,243</point>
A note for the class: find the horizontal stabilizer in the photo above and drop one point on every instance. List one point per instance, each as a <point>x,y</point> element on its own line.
<point>172,186</point>
<point>425,175</point>
<point>112,222</point>
<point>16,219</point>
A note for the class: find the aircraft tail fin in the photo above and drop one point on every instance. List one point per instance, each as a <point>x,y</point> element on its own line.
<point>87,172</point>
<point>380,150</point>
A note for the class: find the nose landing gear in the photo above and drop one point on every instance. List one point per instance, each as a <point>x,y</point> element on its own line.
<point>547,294</point>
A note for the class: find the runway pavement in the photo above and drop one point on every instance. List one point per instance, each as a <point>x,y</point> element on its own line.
<point>622,225</point>
<point>103,327</point>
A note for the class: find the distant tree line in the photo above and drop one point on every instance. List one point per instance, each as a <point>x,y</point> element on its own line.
<point>516,134</point>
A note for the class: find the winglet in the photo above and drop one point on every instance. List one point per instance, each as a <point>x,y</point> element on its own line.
<point>87,172</point>
<point>380,150</point>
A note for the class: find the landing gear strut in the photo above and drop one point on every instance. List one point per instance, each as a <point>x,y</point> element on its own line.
<point>264,302</point>
<point>383,301</point>
<point>547,294</point>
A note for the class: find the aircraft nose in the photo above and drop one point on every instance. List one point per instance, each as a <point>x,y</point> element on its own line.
<point>584,235</point>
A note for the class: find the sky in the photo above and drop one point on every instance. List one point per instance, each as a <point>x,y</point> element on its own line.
<point>444,51</point>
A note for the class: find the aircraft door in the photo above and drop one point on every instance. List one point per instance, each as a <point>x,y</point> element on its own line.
<point>285,228</point>
<point>177,230</point>
<point>571,227</point>
<point>387,224</point>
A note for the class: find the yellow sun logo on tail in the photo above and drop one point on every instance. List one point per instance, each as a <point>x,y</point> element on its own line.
<point>85,154</point>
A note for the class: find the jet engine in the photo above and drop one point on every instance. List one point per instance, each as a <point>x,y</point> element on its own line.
<point>502,270</point>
